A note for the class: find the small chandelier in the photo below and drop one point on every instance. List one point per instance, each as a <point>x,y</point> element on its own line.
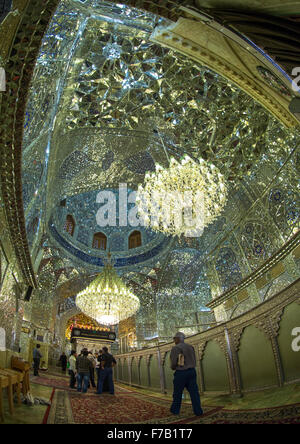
<point>107,299</point>
<point>182,199</point>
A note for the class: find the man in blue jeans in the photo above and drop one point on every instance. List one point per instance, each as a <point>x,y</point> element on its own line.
<point>183,361</point>
<point>83,366</point>
<point>107,363</point>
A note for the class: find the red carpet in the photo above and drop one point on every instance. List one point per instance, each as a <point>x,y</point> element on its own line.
<point>288,414</point>
<point>125,408</point>
<point>132,407</point>
<point>52,381</point>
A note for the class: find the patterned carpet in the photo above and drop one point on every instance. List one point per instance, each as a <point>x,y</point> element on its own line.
<point>60,382</point>
<point>276,415</point>
<point>133,407</point>
<point>125,407</point>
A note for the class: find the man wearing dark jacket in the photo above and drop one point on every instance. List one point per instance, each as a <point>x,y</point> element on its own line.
<point>63,359</point>
<point>83,367</point>
<point>107,363</point>
<point>183,361</point>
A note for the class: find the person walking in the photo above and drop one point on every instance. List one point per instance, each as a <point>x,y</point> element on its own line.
<point>72,369</point>
<point>183,361</point>
<point>63,359</point>
<point>36,359</point>
<point>107,364</point>
<point>83,365</point>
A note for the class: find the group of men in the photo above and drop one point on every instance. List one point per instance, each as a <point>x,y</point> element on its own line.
<point>183,362</point>
<point>82,369</point>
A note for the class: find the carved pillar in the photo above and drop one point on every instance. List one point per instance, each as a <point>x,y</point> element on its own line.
<point>201,348</point>
<point>232,341</point>
<point>278,361</point>
<point>163,363</point>
<point>161,371</point>
<point>270,326</point>
<point>139,368</point>
<point>116,370</point>
<point>129,360</point>
<point>148,359</point>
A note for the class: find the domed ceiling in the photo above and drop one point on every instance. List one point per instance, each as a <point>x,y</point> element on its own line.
<point>107,103</point>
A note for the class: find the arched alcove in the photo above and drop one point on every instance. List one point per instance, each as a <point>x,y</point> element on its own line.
<point>289,357</point>
<point>144,372</point>
<point>154,373</point>
<point>214,368</point>
<point>69,226</point>
<point>99,241</point>
<point>120,369</point>
<point>168,373</point>
<point>135,240</point>
<point>135,379</point>
<point>125,371</point>
<point>256,360</point>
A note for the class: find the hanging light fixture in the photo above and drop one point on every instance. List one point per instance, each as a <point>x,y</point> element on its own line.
<point>182,199</point>
<point>107,299</point>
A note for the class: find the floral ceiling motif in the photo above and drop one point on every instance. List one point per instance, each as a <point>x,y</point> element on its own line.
<point>107,103</point>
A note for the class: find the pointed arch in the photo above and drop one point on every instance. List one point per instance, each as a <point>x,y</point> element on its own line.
<point>70,224</point>
<point>135,239</point>
<point>100,241</point>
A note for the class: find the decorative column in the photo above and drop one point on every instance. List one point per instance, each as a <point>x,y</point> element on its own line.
<point>161,371</point>
<point>148,359</point>
<point>232,344</point>
<point>139,368</point>
<point>201,349</point>
<point>129,360</point>
<point>269,325</point>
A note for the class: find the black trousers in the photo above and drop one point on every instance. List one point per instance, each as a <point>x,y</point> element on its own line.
<point>36,366</point>
<point>72,379</point>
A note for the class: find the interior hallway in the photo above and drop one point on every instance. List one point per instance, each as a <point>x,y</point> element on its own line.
<point>138,406</point>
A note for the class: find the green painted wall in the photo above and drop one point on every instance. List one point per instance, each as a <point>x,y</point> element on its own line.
<point>256,360</point>
<point>119,373</point>
<point>135,372</point>
<point>214,368</point>
<point>197,369</point>
<point>255,357</point>
<point>125,371</point>
<point>154,373</point>
<point>144,373</point>
<point>290,359</point>
<point>169,374</point>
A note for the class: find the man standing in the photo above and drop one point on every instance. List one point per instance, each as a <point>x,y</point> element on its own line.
<point>107,363</point>
<point>72,369</point>
<point>98,366</point>
<point>36,359</point>
<point>83,366</point>
<point>63,359</point>
<point>183,361</point>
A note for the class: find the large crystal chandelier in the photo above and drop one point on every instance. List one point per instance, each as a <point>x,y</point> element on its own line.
<point>107,299</point>
<point>182,199</point>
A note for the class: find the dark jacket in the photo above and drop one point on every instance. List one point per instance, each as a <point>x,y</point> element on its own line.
<point>84,364</point>
<point>189,356</point>
<point>63,359</point>
<point>107,360</point>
